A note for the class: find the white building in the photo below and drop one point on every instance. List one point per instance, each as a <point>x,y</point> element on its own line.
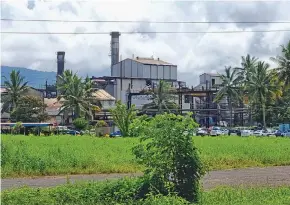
<point>209,81</point>
<point>136,74</point>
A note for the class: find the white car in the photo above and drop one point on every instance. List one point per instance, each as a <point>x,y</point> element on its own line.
<point>246,133</point>
<point>270,133</point>
<point>216,131</point>
<point>201,132</point>
<point>260,133</point>
<point>225,131</point>
<point>286,134</point>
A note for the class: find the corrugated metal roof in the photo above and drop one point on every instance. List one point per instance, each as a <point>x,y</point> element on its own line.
<point>52,102</point>
<point>3,90</point>
<point>151,61</point>
<point>102,95</point>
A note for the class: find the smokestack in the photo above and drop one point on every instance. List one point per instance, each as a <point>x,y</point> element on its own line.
<point>60,68</point>
<point>114,47</point>
<point>60,62</point>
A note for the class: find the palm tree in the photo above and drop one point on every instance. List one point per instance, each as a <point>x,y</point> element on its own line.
<point>283,62</point>
<point>76,94</point>
<point>247,65</point>
<point>15,86</point>
<point>229,88</point>
<point>162,98</point>
<point>260,86</point>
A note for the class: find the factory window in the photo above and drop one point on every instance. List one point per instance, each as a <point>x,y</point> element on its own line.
<point>212,82</point>
<point>187,99</point>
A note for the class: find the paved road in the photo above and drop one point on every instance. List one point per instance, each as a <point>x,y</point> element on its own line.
<point>268,176</point>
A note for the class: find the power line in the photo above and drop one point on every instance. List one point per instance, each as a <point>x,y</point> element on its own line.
<point>144,32</point>
<point>157,22</point>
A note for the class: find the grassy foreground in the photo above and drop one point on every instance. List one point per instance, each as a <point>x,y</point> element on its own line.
<point>128,192</point>
<point>35,155</point>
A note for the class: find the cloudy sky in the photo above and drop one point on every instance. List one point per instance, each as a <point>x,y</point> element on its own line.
<point>193,53</point>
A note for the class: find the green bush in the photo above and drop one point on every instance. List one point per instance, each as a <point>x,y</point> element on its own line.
<point>123,117</point>
<point>127,192</point>
<point>123,191</point>
<point>172,162</point>
<point>109,192</point>
<point>17,127</point>
<point>80,123</point>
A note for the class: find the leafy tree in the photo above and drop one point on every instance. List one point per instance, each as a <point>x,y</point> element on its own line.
<point>283,62</point>
<point>279,110</point>
<point>76,95</point>
<point>162,98</point>
<point>261,86</point>
<point>229,88</point>
<point>29,109</point>
<point>247,65</point>
<point>80,123</point>
<point>172,161</point>
<point>123,117</point>
<point>15,86</point>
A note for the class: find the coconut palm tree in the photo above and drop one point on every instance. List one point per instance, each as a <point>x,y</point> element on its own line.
<point>260,86</point>
<point>247,64</point>
<point>15,85</point>
<point>229,88</point>
<point>162,98</point>
<point>283,62</point>
<point>75,94</point>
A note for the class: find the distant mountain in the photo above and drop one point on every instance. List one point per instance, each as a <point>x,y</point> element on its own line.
<point>35,78</point>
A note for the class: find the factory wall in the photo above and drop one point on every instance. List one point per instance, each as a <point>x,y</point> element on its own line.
<point>132,69</point>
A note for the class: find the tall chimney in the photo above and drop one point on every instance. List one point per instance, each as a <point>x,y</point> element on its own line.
<point>60,62</point>
<point>60,68</point>
<point>114,47</point>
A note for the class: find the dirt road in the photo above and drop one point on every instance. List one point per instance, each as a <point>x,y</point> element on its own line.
<point>268,176</point>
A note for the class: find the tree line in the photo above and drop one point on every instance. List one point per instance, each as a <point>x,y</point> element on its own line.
<point>267,90</point>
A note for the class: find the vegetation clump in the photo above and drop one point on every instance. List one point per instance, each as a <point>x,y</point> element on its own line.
<point>172,162</point>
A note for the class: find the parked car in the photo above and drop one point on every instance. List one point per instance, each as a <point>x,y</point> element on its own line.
<point>278,133</point>
<point>286,134</point>
<point>201,132</point>
<point>225,131</point>
<point>246,133</point>
<point>261,133</point>
<point>116,134</point>
<point>72,132</point>
<point>270,133</point>
<point>216,131</point>
<point>234,132</point>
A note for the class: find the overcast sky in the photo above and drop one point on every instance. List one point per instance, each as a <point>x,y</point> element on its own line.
<point>193,53</point>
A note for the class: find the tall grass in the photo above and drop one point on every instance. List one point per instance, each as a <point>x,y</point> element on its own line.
<point>35,155</point>
<point>127,191</point>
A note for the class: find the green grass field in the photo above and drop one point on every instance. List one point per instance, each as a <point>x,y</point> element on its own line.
<point>35,155</point>
<point>126,192</point>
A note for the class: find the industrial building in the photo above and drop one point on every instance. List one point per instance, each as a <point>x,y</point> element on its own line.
<point>131,76</point>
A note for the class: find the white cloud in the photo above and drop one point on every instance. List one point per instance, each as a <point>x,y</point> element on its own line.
<point>193,53</point>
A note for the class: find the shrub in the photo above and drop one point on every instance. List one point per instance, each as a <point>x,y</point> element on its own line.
<point>109,192</point>
<point>101,123</point>
<point>123,117</point>
<point>17,127</point>
<point>172,161</point>
<point>80,123</point>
